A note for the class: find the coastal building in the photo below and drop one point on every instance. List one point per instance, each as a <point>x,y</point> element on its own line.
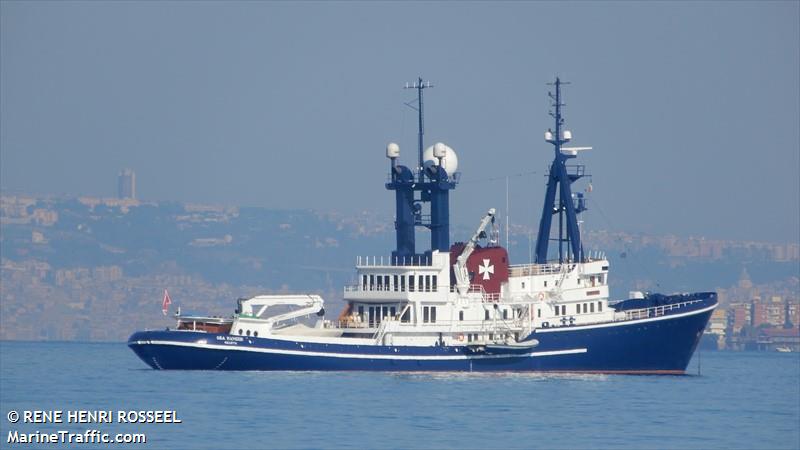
<point>126,184</point>
<point>739,316</point>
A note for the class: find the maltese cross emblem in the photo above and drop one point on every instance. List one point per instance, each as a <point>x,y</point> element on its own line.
<point>486,269</point>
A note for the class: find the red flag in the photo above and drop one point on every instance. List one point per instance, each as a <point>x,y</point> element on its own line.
<point>166,302</point>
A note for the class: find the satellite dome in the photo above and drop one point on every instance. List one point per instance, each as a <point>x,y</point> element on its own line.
<point>449,158</point>
<point>392,150</point>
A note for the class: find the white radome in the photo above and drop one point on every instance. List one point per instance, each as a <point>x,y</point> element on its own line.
<point>392,150</point>
<point>449,160</point>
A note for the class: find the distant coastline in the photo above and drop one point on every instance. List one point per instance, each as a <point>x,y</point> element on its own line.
<point>93,269</point>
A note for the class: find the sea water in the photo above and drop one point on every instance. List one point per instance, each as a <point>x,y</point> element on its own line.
<point>738,401</point>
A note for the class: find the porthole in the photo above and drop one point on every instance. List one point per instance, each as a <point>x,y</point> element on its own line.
<point>255,333</point>
<point>240,331</point>
<point>248,332</point>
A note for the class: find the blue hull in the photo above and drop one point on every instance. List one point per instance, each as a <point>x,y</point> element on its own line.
<point>659,345</point>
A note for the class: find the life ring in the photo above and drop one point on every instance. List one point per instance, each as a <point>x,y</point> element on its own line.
<point>461,337</point>
<point>541,295</point>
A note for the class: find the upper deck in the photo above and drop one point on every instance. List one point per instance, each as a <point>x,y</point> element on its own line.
<point>381,278</point>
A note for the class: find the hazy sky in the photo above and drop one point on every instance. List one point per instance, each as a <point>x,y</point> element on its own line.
<point>692,108</point>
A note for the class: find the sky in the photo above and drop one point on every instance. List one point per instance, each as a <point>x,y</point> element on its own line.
<point>692,108</point>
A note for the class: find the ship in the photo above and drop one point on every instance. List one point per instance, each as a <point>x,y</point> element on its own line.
<point>460,307</point>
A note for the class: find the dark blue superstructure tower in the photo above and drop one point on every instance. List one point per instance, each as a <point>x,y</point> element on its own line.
<point>434,185</point>
<point>559,180</point>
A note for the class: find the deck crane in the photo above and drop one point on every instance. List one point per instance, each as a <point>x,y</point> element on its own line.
<point>460,267</point>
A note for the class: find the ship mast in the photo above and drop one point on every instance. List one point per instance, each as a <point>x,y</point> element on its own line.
<point>559,180</point>
<point>420,85</point>
<point>433,183</point>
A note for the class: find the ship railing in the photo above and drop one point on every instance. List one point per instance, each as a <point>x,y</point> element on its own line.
<point>457,326</point>
<point>656,311</point>
<point>478,289</point>
<point>452,178</point>
<point>389,261</point>
<point>387,288</point>
<point>526,270</point>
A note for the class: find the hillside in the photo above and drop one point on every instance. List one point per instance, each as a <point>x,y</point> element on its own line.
<point>95,269</point>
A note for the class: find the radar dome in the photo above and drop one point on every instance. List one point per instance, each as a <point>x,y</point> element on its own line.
<point>449,158</point>
<point>392,150</point>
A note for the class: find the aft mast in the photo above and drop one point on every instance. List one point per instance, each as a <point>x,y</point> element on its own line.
<point>559,180</point>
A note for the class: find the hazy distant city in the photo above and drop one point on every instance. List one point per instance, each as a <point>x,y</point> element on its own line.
<point>90,268</point>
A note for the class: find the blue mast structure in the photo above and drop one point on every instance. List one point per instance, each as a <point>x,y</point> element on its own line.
<point>559,181</point>
<point>434,185</point>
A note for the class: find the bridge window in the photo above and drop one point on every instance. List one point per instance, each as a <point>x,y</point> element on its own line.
<point>403,283</point>
<point>599,306</point>
<point>380,283</point>
<point>406,318</point>
<point>393,312</point>
<point>420,283</point>
<point>361,313</point>
<point>505,314</point>
<point>386,282</point>
<point>585,308</point>
<point>600,279</point>
<point>411,283</point>
<point>591,307</point>
<point>433,314</point>
<point>363,282</point>
<point>486,314</point>
<point>435,284</point>
<point>395,282</point>
<point>372,282</point>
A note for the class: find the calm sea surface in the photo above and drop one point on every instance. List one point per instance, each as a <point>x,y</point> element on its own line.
<point>740,400</point>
